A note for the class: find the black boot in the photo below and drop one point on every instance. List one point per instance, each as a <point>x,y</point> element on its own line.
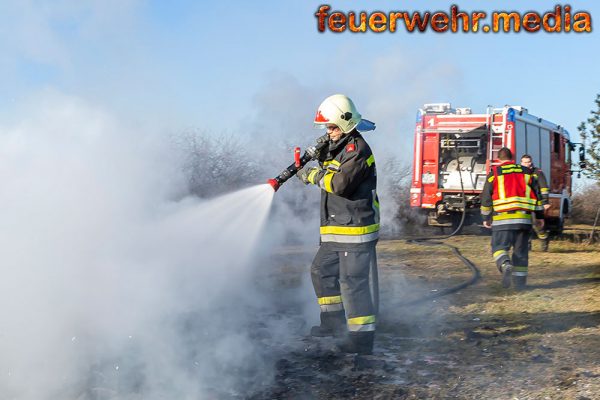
<point>358,342</point>
<point>506,270</point>
<point>519,282</point>
<point>332,324</point>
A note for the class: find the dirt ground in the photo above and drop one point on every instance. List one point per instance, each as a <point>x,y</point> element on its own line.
<point>483,342</point>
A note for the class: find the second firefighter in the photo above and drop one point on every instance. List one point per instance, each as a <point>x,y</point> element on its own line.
<point>508,202</point>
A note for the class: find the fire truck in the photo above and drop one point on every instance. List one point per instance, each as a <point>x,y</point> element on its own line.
<point>454,150</point>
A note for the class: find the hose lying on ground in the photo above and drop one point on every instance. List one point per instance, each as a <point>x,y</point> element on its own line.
<point>472,267</point>
<point>435,241</point>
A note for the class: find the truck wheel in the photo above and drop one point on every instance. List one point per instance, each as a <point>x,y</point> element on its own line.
<point>554,226</point>
<point>560,226</point>
<point>558,229</point>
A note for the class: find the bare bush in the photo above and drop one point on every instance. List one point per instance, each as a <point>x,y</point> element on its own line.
<point>216,164</point>
<point>586,202</point>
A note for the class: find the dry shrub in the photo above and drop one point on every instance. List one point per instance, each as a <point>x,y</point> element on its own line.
<point>586,202</point>
<point>214,165</point>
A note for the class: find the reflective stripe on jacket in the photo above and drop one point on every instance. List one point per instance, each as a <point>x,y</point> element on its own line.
<point>510,196</point>
<point>349,203</point>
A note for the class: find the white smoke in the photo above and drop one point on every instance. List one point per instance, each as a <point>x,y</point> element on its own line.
<point>110,287</point>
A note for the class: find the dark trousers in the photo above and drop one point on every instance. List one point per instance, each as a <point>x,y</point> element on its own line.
<point>517,239</point>
<point>341,281</point>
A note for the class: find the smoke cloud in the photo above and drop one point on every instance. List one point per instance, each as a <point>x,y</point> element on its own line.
<point>113,284</point>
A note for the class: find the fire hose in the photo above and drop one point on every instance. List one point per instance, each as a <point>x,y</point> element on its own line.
<point>435,241</point>
<point>470,265</point>
<point>310,154</point>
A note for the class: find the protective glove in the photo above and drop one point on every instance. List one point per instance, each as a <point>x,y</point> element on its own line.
<point>308,175</point>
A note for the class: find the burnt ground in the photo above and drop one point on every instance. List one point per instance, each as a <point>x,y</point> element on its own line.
<point>483,342</point>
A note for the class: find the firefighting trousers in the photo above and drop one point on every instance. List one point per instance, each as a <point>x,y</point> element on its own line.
<point>341,282</point>
<point>517,239</point>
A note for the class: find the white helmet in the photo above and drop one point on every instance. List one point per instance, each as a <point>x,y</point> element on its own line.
<point>337,110</point>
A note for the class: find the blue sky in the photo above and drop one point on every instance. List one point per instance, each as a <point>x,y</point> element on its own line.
<point>241,66</point>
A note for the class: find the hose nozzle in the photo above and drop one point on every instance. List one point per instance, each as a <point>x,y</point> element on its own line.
<point>299,162</point>
<point>273,183</point>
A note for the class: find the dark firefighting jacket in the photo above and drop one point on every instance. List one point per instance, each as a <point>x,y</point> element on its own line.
<point>543,183</point>
<point>510,197</point>
<point>349,203</point>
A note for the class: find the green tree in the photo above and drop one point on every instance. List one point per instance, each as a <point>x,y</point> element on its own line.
<point>589,131</point>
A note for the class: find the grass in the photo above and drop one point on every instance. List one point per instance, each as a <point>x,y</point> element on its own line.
<point>563,279</point>
<point>483,341</point>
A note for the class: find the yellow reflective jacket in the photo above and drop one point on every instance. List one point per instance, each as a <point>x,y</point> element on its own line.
<point>510,197</point>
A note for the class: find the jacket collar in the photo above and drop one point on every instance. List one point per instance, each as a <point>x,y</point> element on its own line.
<point>333,147</point>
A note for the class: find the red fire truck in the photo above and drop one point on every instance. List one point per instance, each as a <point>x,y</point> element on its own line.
<point>454,150</point>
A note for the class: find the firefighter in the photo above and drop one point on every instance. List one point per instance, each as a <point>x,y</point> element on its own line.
<point>349,229</point>
<point>508,201</point>
<point>542,234</point>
